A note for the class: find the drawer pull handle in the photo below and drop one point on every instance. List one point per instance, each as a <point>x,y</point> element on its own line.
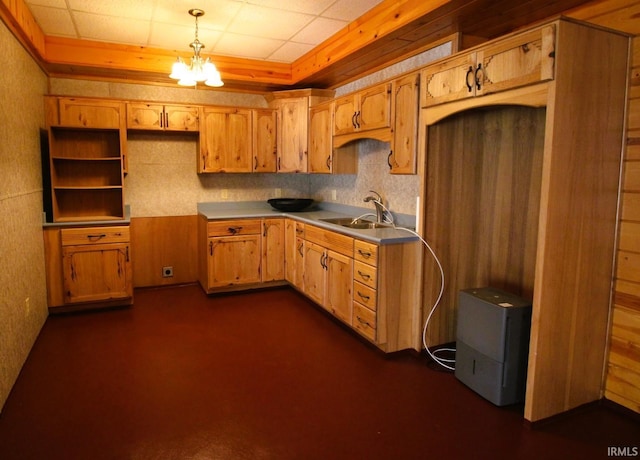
<point>362,321</point>
<point>364,276</point>
<point>364,297</point>
<point>96,237</point>
<point>234,230</point>
<point>366,255</point>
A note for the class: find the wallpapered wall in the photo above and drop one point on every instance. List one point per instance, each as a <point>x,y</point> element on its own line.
<point>22,85</point>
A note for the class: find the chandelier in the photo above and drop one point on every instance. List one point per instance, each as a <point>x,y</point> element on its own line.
<point>198,70</point>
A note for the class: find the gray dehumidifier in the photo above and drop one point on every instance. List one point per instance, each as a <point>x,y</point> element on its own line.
<point>492,344</point>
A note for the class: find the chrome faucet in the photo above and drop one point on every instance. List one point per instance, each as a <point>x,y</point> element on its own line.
<point>377,201</point>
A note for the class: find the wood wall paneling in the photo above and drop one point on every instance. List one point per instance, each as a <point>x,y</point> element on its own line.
<point>158,242</point>
<point>483,197</point>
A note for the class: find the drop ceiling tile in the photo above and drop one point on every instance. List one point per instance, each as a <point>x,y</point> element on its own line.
<point>112,29</point>
<point>246,46</point>
<point>314,7</point>
<point>132,9</point>
<point>350,10</point>
<point>268,23</point>
<point>177,12</point>
<point>318,31</point>
<point>289,52</point>
<point>173,37</point>
<point>54,21</point>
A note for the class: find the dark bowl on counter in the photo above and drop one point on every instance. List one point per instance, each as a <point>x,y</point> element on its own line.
<point>290,204</point>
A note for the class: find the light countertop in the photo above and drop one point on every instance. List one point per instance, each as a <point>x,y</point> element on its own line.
<point>314,216</point>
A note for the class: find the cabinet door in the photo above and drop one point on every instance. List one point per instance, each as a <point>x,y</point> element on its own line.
<point>449,80</point>
<point>265,150</point>
<point>145,116</point>
<point>273,243</point>
<point>96,272</point>
<point>314,272</point>
<point>345,111</point>
<point>339,281</point>
<point>518,61</point>
<point>320,140</point>
<point>181,118</point>
<point>374,110</point>
<point>233,260</point>
<point>402,159</point>
<point>90,113</point>
<point>225,140</point>
<point>292,136</point>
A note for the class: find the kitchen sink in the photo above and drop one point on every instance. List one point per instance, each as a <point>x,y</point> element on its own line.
<point>356,223</point>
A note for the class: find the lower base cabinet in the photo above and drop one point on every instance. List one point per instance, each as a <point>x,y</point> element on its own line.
<point>240,253</point>
<point>88,266</point>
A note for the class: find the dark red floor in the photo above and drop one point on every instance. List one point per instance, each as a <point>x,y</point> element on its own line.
<point>261,375</point>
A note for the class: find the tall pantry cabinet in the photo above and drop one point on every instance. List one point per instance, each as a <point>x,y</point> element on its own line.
<point>543,192</point>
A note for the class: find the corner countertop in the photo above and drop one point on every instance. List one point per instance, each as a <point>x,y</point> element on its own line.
<point>314,216</point>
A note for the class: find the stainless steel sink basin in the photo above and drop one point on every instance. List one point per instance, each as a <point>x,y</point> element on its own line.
<point>350,222</point>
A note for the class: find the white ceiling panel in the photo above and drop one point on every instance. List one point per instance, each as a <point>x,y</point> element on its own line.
<point>278,30</point>
<point>112,29</point>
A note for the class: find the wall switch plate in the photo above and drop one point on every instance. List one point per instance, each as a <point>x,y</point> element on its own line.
<point>224,194</point>
<point>167,272</point>
<point>278,193</point>
<point>334,194</point>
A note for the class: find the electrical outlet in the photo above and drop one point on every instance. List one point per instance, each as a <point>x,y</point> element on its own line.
<point>224,194</point>
<point>334,194</point>
<point>167,272</point>
<point>278,193</point>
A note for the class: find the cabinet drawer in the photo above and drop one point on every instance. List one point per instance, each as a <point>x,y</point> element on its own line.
<point>364,295</point>
<point>337,242</point>
<point>364,320</point>
<point>365,274</point>
<point>94,235</point>
<point>233,227</point>
<point>366,252</point>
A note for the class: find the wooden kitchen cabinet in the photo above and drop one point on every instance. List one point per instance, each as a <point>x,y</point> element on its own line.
<point>552,232</point>
<point>328,270</point>
<point>294,253</point>
<point>240,253</point>
<point>364,110</point>
<point>405,99</point>
<point>225,140</point>
<point>264,132</point>
<point>293,126</point>
<point>273,244</point>
<point>86,149</point>
<point>79,112</point>
<point>323,158</point>
<point>519,60</point>
<point>88,266</point>
<point>232,253</point>
<point>161,117</point>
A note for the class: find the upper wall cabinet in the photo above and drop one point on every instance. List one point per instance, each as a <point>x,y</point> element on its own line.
<point>225,140</point>
<point>264,133</point>
<point>159,117</point>
<point>363,111</point>
<point>518,61</point>
<point>293,126</point>
<point>86,113</point>
<point>405,93</point>
<point>323,158</point>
